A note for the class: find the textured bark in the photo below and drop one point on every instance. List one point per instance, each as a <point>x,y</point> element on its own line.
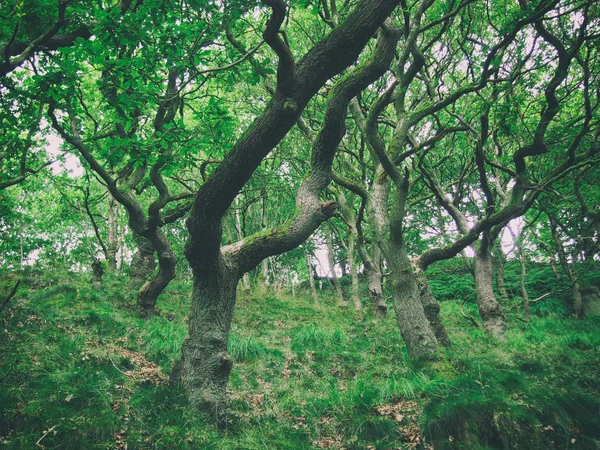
<point>142,264</point>
<point>112,241</point>
<point>353,272</point>
<point>415,328</point>
<point>432,311</point>
<point>489,308</point>
<point>205,363</point>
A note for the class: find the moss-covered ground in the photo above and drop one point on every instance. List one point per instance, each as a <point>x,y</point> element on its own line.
<point>79,370</point>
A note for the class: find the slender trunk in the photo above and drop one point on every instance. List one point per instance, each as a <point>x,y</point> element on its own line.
<point>339,296</point>
<point>377,212</point>
<point>206,364</point>
<point>489,308</point>
<point>353,271</point>
<point>265,273</point>
<point>142,263</point>
<point>524,293</point>
<point>311,279</point>
<point>432,311</point>
<point>499,260</point>
<point>154,286</point>
<point>568,270</point>
<point>112,242</point>
<point>415,329</point>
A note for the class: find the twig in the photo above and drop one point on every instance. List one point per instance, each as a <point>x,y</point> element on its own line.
<point>11,295</point>
<point>46,433</point>
<point>469,318</point>
<point>115,366</point>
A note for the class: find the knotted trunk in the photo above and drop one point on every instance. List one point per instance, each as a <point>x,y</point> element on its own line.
<point>142,264</point>
<point>432,311</point>
<point>206,364</point>
<point>489,308</point>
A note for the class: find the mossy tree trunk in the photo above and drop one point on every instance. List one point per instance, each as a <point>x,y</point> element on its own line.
<point>205,363</point>
<point>489,307</point>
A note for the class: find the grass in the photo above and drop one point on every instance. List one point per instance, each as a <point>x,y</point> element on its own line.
<point>80,370</point>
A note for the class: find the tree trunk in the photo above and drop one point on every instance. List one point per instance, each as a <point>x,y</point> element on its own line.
<point>432,311</point>
<point>415,329</point>
<point>353,272</point>
<point>489,308</point>
<point>142,263</point>
<point>112,242</point>
<point>154,286</point>
<point>311,279</point>
<point>339,296</point>
<point>524,293</point>
<point>206,364</point>
<point>499,260</point>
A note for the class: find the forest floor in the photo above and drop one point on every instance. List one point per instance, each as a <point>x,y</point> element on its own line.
<point>79,370</point>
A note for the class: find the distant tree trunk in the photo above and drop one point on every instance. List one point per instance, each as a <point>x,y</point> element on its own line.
<point>489,308</point>
<point>567,269</point>
<point>499,260</point>
<point>353,272</point>
<point>311,279</point>
<point>112,242</point>
<point>339,296</point>
<point>154,286</point>
<point>524,293</point>
<point>142,264</point>
<point>348,215</point>
<point>97,273</point>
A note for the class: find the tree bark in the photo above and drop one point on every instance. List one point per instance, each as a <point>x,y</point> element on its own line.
<point>154,286</point>
<point>489,308</point>
<point>205,363</point>
<point>432,311</point>
<point>112,241</point>
<point>414,326</point>
<point>142,264</point>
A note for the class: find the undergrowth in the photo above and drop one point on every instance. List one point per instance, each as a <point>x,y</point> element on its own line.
<point>79,370</point>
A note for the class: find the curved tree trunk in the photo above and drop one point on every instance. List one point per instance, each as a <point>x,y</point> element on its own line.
<point>153,287</point>
<point>142,264</point>
<point>489,308</point>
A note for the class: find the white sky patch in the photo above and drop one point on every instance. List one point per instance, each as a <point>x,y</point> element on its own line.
<point>71,164</point>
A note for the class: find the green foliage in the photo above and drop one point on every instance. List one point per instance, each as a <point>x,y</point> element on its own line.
<point>305,376</point>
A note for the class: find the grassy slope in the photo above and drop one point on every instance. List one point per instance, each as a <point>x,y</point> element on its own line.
<point>79,370</point>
